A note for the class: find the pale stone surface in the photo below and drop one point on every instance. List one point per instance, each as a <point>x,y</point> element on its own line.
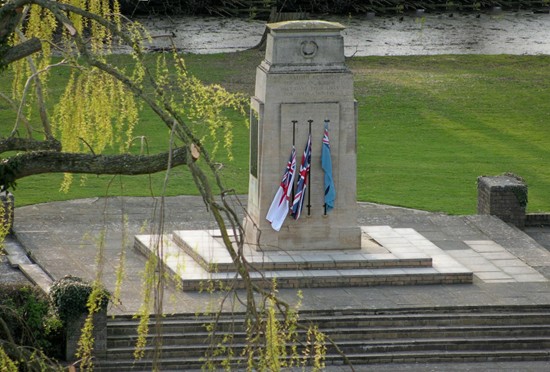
<point>406,265</point>
<point>303,78</point>
<point>37,276</point>
<point>304,46</point>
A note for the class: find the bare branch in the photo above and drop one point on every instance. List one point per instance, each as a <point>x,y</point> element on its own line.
<point>9,19</point>
<point>42,107</point>
<point>21,50</point>
<point>16,108</point>
<point>39,92</point>
<point>38,162</point>
<point>28,144</point>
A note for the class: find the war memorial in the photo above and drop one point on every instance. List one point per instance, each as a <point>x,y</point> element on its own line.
<point>304,93</point>
<point>478,278</point>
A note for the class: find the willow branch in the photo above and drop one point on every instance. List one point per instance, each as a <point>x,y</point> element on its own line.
<point>43,115</point>
<point>38,162</point>
<point>28,144</point>
<point>39,93</point>
<point>15,108</point>
<point>21,51</point>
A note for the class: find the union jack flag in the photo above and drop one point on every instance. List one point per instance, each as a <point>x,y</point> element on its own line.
<point>299,197</point>
<point>281,202</point>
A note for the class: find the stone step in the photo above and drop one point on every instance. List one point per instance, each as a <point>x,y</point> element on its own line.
<point>398,320</point>
<point>195,277</point>
<point>441,345</point>
<point>387,257</point>
<point>434,346</point>
<point>206,250</point>
<point>181,364</point>
<point>124,327</point>
<point>394,336</point>
<point>166,364</point>
<point>354,334</point>
<point>448,356</point>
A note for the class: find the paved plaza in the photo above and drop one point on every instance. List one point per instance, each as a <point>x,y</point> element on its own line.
<point>510,267</point>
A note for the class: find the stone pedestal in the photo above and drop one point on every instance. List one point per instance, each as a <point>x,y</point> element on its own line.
<point>303,78</point>
<point>74,332</point>
<point>504,197</point>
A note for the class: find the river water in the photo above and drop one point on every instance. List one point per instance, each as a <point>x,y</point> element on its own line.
<point>522,32</point>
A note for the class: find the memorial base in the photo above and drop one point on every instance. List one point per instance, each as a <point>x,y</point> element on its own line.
<point>200,260</point>
<point>313,238</point>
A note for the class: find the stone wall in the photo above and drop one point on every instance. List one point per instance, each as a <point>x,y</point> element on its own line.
<point>504,197</point>
<point>537,219</point>
<point>73,331</point>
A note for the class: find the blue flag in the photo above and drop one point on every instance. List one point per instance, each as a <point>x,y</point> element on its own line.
<point>326,164</point>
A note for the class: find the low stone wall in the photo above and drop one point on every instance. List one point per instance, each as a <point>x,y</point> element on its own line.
<point>537,219</point>
<point>74,331</point>
<point>504,197</point>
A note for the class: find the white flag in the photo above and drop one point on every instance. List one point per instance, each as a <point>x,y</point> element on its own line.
<point>280,206</point>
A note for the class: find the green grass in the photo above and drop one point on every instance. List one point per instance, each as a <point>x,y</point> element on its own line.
<point>428,127</point>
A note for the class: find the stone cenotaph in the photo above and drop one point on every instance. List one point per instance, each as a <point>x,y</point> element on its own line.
<point>302,87</point>
<point>303,82</point>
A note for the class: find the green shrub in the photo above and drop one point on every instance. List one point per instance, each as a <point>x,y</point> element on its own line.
<point>70,296</point>
<point>26,319</point>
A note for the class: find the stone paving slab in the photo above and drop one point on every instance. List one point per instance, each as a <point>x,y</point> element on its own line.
<point>60,237</point>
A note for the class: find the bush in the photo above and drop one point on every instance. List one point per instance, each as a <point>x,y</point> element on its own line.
<point>26,319</point>
<point>70,296</point>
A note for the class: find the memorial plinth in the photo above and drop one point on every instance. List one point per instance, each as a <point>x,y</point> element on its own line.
<point>303,79</point>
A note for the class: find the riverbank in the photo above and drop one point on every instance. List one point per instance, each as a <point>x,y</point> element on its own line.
<point>518,33</point>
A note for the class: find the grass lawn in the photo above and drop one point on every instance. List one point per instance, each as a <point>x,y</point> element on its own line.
<point>428,127</point>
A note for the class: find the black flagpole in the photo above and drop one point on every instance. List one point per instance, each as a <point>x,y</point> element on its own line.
<point>309,177</point>
<point>294,131</point>
<point>293,144</point>
<point>326,127</point>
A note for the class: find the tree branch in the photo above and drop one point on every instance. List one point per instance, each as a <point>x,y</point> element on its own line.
<point>38,162</point>
<point>10,16</point>
<point>21,50</point>
<point>38,90</point>
<point>28,144</point>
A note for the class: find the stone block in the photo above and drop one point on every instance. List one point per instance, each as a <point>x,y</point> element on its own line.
<point>504,197</point>
<point>304,46</point>
<point>73,333</point>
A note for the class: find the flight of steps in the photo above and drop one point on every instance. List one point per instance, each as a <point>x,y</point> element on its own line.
<point>367,337</point>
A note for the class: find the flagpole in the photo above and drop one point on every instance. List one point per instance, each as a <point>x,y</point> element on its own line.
<point>309,179</point>
<point>293,144</point>
<point>326,127</point>
<point>294,132</point>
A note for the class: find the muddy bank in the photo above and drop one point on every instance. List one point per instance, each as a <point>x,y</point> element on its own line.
<point>447,33</point>
<point>508,33</point>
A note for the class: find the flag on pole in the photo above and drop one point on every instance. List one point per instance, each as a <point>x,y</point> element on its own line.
<point>281,203</point>
<point>299,197</point>
<point>326,164</point>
